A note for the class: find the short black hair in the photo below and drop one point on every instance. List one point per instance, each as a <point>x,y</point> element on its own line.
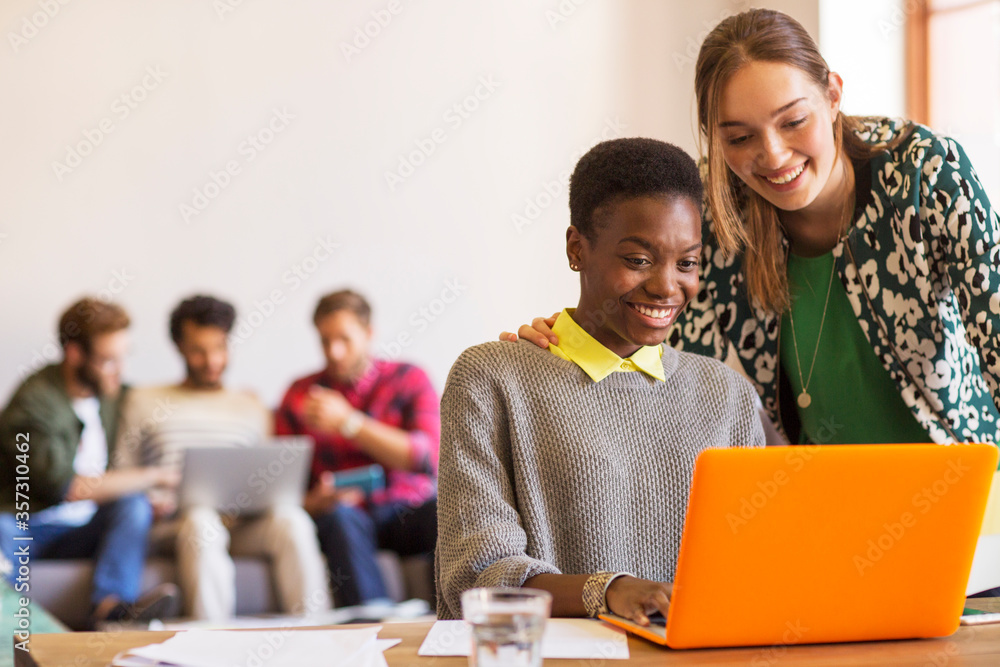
<point>627,168</point>
<point>203,311</point>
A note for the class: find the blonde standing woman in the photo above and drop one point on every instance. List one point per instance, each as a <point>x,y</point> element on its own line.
<point>852,263</point>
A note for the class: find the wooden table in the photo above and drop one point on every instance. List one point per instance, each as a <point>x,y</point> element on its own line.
<point>969,646</point>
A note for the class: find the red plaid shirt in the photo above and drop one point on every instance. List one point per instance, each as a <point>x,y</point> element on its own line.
<point>395,394</point>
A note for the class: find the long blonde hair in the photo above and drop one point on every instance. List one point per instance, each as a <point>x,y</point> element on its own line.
<point>744,219</point>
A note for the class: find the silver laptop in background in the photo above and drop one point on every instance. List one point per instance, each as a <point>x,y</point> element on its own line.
<point>245,481</point>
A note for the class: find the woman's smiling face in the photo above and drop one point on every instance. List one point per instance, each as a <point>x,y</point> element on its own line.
<point>775,127</point>
<point>639,271</point>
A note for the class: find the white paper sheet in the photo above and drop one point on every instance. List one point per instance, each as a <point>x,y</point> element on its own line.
<point>269,648</point>
<point>386,644</point>
<point>570,638</point>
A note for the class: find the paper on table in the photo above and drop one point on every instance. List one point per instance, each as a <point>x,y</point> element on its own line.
<point>272,648</point>
<point>570,638</point>
<point>386,644</point>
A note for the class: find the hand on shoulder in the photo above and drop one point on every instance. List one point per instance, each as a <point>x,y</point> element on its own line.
<point>538,332</point>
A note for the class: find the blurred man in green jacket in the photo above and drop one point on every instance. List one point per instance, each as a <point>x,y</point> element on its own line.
<point>57,497</point>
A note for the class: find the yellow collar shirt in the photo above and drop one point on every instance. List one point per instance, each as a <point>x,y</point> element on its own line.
<point>597,361</point>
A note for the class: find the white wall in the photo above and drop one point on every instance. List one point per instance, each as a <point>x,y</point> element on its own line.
<point>864,42</point>
<point>564,75</point>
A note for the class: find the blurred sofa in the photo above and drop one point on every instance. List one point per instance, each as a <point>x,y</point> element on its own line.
<point>63,586</point>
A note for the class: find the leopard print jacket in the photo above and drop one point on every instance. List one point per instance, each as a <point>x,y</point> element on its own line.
<point>921,267</point>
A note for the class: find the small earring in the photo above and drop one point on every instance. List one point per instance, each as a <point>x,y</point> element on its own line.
<point>574,267</point>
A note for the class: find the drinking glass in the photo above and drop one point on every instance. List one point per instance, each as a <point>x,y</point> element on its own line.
<point>507,625</point>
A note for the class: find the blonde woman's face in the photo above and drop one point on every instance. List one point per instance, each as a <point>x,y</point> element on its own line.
<point>775,127</point>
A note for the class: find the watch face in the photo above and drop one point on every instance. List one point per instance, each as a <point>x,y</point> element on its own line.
<point>352,425</point>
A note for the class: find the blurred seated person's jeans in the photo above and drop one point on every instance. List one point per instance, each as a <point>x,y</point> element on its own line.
<point>115,537</point>
<point>350,537</point>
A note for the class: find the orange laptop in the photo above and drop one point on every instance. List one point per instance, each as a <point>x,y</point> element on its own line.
<point>810,544</point>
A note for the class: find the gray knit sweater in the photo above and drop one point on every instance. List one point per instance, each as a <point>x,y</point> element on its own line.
<point>545,471</point>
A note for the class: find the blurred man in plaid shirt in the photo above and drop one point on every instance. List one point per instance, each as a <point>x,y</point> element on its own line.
<point>363,411</point>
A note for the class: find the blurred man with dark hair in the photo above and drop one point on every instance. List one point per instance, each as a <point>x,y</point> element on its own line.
<point>199,327</point>
<point>161,422</point>
<point>59,429</point>
<point>363,411</point>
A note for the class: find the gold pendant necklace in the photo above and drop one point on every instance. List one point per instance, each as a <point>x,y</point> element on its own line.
<point>804,399</point>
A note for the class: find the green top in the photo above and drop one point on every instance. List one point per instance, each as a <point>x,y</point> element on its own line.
<point>853,399</point>
<point>41,413</point>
